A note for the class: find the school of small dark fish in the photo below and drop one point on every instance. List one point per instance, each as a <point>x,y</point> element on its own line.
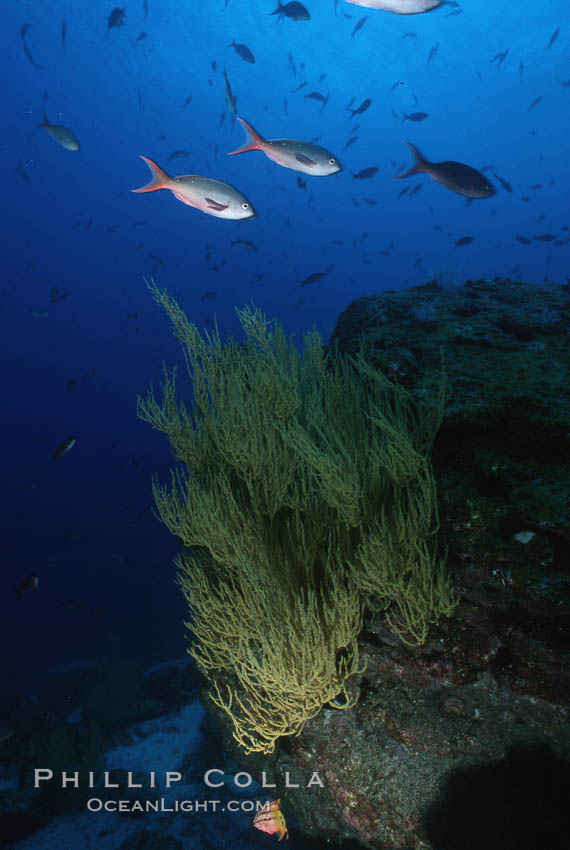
<point>215,197</point>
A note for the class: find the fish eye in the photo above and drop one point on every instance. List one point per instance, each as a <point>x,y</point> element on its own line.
<point>245,206</point>
<point>332,160</point>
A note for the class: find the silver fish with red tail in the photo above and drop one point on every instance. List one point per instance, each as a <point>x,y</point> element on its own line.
<point>291,153</point>
<point>204,193</point>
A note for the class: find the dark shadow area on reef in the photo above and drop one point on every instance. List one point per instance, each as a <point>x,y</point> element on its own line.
<point>518,803</point>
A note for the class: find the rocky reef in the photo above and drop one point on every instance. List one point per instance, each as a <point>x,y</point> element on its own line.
<point>463,742</point>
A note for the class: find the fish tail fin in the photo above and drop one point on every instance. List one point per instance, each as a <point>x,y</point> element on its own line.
<point>419,163</point>
<point>45,122</point>
<point>279,8</point>
<point>406,116</point>
<point>159,180</point>
<point>253,141</point>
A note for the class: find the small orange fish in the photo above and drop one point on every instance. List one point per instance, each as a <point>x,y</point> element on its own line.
<point>270,819</point>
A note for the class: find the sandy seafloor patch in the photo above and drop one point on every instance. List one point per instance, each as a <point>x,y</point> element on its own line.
<point>160,745</point>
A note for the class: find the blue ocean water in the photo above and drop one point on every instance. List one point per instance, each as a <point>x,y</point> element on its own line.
<point>81,336</point>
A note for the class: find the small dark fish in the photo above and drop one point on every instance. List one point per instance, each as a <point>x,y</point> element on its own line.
<point>145,9</point>
<point>499,58</point>
<point>22,172</point>
<point>416,189</point>
<point>565,83</point>
<point>321,78</point>
<point>62,135</point>
<point>55,295</point>
<point>432,53</point>
<point>231,100</point>
<point>395,86</point>
<point>404,191</point>
<point>350,142</point>
<point>535,102</point>
<point>370,201</point>
<point>537,186</point>
<point>28,583</point>
<point>456,176</point>
<point>207,296</point>
<point>292,67</point>
<point>63,33</point>
<point>302,184</point>
<point>415,116</point>
<point>465,240</point>
<point>245,243</point>
<point>553,38</point>
<point>504,183</point>
<point>545,237</point>
<point>24,29</point>
<point>243,51</point>
<point>359,25</point>
<point>302,86</point>
<point>365,174</point>
<point>64,447</point>
<point>115,20</point>
<point>316,95</point>
<point>177,154</point>
<point>187,101</point>
<point>524,240</point>
<point>142,36</point>
<point>315,277</point>
<point>409,35</point>
<point>366,104</point>
<point>521,70</point>
<point>293,10</point>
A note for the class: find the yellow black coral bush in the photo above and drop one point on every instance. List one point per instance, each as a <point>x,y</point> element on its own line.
<point>303,496</point>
